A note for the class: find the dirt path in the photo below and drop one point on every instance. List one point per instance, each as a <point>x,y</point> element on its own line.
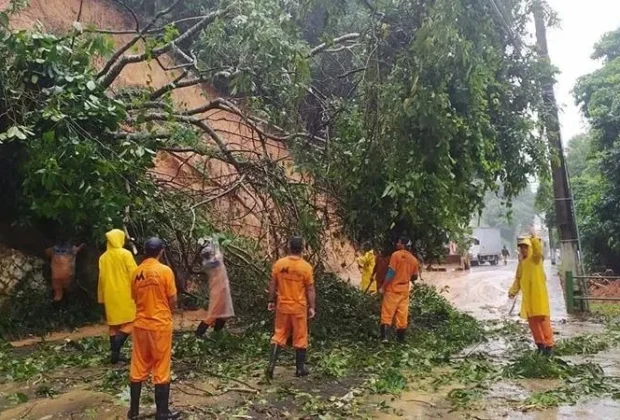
<point>185,321</point>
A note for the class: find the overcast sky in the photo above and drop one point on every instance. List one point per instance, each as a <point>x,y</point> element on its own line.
<point>582,23</point>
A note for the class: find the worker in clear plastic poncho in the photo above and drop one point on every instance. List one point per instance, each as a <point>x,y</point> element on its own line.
<point>220,300</point>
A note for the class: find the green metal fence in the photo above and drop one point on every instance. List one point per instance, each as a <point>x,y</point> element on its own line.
<point>576,300</point>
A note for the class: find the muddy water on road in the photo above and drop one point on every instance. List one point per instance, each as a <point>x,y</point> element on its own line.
<point>483,294</point>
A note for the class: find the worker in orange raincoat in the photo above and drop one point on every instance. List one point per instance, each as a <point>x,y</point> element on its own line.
<point>116,266</point>
<point>220,300</point>
<point>292,283</point>
<point>366,263</point>
<point>62,258</point>
<point>155,293</point>
<point>403,270</point>
<point>531,280</point>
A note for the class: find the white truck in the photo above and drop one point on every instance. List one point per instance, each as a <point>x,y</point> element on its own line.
<point>486,246</point>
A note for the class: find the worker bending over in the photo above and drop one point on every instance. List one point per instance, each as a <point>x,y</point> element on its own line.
<point>292,282</point>
<point>403,269</point>
<point>155,294</point>
<point>366,264</point>
<point>220,300</point>
<point>531,280</point>
<point>116,267</point>
<point>62,258</point>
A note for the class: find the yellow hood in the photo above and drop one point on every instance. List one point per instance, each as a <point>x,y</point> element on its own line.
<point>116,238</point>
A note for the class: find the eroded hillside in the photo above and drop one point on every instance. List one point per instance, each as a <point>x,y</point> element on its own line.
<point>231,202</point>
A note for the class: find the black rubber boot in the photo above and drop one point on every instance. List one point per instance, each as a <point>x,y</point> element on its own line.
<point>383,330</point>
<point>540,348</point>
<point>162,396</point>
<point>547,351</point>
<point>202,329</point>
<point>119,340</point>
<point>135,389</point>
<point>300,363</point>
<point>219,324</point>
<point>274,352</point>
<point>400,335</point>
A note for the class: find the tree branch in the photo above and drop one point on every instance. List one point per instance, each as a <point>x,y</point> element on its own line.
<point>130,10</point>
<point>204,126</point>
<point>149,32</point>
<point>105,79</point>
<point>322,47</point>
<point>114,60</point>
<point>222,194</point>
<point>169,86</point>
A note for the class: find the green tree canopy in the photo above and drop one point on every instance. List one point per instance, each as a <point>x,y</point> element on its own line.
<point>597,186</point>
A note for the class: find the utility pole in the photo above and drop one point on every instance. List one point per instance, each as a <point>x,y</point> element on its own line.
<point>567,229</point>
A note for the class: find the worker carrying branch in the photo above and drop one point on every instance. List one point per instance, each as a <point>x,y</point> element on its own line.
<point>220,300</point>
<point>116,266</point>
<point>531,280</point>
<point>292,283</point>
<point>403,269</point>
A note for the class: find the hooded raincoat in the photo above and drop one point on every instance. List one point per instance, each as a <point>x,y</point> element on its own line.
<point>220,300</point>
<point>531,280</point>
<point>116,266</point>
<point>367,264</point>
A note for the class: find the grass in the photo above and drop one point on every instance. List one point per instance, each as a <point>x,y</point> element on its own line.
<point>609,310</point>
<point>344,346</point>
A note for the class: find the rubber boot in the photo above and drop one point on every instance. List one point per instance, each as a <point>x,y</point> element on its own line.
<point>135,389</point>
<point>300,363</point>
<point>162,396</point>
<point>383,330</point>
<point>274,352</point>
<point>400,335</point>
<point>540,348</point>
<point>219,324</point>
<point>547,351</point>
<point>119,341</point>
<point>202,329</point>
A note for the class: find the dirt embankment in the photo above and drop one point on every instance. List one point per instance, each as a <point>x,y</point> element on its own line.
<point>604,285</point>
<point>241,209</point>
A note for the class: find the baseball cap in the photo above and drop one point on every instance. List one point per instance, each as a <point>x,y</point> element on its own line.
<point>153,245</point>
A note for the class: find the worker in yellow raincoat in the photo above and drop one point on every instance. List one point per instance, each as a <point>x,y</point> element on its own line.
<point>531,280</point>
<point>366,263</point>
<point>116,266</point>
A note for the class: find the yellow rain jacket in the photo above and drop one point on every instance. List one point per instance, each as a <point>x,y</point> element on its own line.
<point>367,264</point>
<point>531,280</point>
<point>116,266</point>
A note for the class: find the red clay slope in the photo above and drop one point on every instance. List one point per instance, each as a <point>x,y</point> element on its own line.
<point>239,209</point>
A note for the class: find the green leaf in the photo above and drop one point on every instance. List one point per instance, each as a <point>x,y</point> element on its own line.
<point>91,85</point>
<point>48,136</point>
